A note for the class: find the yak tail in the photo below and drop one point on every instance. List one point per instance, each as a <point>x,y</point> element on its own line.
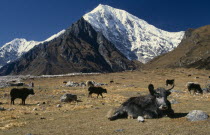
<point>171,88</point>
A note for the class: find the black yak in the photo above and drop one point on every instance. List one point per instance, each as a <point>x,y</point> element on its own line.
<point>20,93</point>
<point>154,105</point>
<point>171,82</point>
<point>96,90</point>
<point>195,87</point>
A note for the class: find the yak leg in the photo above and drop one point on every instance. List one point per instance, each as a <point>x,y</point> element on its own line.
<point>149,115</point>
<point>90,94</point>
<point>23,101</point>
<point>101,95</point>
<point>13,101</point>
<point>118,114</point>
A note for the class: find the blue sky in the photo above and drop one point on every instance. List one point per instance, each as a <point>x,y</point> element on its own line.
<point>39,19</point>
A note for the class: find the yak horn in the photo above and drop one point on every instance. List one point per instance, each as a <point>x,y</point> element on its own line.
<point>171,88</point>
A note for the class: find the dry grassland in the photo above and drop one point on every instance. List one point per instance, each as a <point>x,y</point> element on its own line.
<point>89,115</point>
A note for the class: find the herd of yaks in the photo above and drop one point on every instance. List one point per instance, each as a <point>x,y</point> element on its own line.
<point>153,105</point>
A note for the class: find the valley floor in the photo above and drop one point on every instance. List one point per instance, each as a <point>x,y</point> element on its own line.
<point>41,116</point>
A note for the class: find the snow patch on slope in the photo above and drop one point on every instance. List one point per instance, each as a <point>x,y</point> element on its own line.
<point>134,37</point>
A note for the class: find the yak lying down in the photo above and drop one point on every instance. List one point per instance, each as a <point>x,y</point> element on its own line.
<point>154,105</point>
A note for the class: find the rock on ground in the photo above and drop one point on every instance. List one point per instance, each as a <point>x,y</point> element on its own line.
<point>2,109</point>
<point>140,119</point>
<point>197,115</point>
<point>68,98</point>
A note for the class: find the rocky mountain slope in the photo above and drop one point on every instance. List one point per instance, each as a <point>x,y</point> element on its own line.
<point>193,52</point>
<point>17,47</point>
<point>134,37</point>
<point>79,49</point>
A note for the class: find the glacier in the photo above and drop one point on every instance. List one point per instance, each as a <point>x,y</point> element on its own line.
<point>134,37</point>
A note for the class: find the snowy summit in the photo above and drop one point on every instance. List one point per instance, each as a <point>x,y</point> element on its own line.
<point>17,47</point>
<point>134,37</point>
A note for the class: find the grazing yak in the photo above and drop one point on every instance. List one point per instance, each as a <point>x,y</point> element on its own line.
<point>96,90</point>
<point>171,82</point>
<point>154,105</point>
<point>20,93</point>
<point>195,87</point>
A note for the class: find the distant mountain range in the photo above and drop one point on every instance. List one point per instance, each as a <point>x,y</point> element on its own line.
<point>107,40</point>
<point>134,37</point>
<point>193,52</point>
<point>79,49</point>
<point>17,47</point>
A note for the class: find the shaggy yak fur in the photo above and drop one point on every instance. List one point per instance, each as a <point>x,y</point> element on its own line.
<point>20,93</point>
<point>154,105</point>
<point>195,87</point>
<point>169,82</point>
<point>96,90</point>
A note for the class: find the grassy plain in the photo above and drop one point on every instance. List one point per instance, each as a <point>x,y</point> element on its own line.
<point>89,115</point>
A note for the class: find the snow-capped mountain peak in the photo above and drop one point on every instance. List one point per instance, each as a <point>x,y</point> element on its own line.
<point>18,46</point>
<point>134,37</point>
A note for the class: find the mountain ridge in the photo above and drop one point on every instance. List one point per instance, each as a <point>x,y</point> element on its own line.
<point>134,37</point>
<point>17,47</point>
<point>79,49</point>
<point>127,32</point>
<point>193,52</point>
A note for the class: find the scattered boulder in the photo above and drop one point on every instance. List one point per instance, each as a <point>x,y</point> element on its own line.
<point>75,84</point>
<point>206,90</point>
<point>140,119</point>
<point>72,84</point>
<point>82,84</point>
<point>100,84</point>
<point>197,115</point>
<point>2,109</point>
<point>92,84</point>
<point>68,98</point>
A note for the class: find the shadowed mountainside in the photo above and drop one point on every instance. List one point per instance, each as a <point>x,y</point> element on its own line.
<point>79,49</point>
